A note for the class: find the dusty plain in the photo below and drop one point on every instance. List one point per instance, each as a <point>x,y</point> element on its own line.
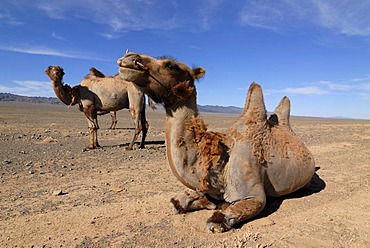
<point>52,194</point>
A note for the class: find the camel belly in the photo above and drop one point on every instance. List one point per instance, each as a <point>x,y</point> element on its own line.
<point>284,176</point>
<point>114,102</point>
<point>107,100</point>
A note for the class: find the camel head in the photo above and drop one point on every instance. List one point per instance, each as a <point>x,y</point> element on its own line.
<point>165,80</point>
<point>55,72</point>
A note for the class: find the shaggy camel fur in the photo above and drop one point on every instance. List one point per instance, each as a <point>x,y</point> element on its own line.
<point>255,158</point>
<point>100,94</point>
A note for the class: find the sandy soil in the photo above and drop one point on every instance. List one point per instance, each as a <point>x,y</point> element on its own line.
<point>52,194</point>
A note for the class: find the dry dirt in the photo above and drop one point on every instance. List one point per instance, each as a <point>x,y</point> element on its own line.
<point>55,195</point>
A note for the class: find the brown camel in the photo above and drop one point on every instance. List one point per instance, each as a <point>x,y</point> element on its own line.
<point>113,114</point>
<point>100,94</point>
<point>234,171</point>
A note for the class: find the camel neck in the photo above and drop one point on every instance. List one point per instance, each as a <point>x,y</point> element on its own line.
<point>60,91</point>
<point>181,146</point>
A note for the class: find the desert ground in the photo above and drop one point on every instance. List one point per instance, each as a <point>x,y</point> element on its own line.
<point>52,194</point>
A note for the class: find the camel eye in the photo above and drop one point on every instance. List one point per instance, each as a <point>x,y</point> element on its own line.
<point>172,67</point>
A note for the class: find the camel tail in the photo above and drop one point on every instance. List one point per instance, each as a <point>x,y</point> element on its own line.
<point>254,109</point>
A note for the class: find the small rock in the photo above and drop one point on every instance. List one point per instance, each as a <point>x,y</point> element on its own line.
<point>59,192</point>
<point>49,140</point>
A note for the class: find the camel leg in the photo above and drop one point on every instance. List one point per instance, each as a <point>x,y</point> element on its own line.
<point>91,139</point>
<point>113,114</point>
<point>191,200</point>
<point>245,192</point>
<point>92,120</point>
<point>237,212</point>
<point>144,127</point>
<point>138,116</point>
<point>96,143</point>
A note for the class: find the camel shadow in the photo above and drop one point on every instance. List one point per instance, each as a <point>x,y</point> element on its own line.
<point>273,203</point>
<point>159,143</point>
<point>122,128</point>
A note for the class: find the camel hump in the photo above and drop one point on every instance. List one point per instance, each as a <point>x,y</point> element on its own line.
<point>281,115</point>
<point>95,72</point>
<point>254,108</point>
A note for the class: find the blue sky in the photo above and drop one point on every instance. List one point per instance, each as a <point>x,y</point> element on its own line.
<point>315,52</point>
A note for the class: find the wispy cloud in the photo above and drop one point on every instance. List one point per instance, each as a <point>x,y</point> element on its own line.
<point>336,86</point>
<point>38,50</point>
<point>309,90</point>
<point>345,17</point>
<point>29,88</point>
<point>357,86</point>
<point>117,16</point>
<point>365,86</point>
<point>9,19</point>
<point>57,36</point>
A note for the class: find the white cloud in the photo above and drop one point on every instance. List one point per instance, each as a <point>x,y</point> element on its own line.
<point>29,88</point>
<point>29,49</point>
<point>356,86</point>
<point>365,86</point>
<point>346,17</point>
<point>116,16</point>
<point>309,90</point>
<point>336,86</point>
<point>9,19</point>
<point>57,36</point>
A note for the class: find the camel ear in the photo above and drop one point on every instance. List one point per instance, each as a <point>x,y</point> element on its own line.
<point>60,72</point>
<point>254,108</point>
<point>282,112</point>
<point>198,72</point>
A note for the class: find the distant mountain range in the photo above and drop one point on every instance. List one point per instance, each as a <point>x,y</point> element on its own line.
<point>53,100</point>
<point>16,98</point>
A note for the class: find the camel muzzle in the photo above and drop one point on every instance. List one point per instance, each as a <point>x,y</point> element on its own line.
<point>131,61</point>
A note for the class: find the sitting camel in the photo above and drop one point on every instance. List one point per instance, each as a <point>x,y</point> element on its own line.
<point>255,158</point>
<point>100,94</point>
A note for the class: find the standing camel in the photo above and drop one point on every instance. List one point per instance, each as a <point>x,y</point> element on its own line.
<point>96,73</point>
<point>255,158</point>
<point>100,94</point>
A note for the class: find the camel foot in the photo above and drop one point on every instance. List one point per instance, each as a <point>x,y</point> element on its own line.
<point>218,223</point>
<point>237,212</point>
<point>129,148</point>
<point>88,148</point>
<point>191,201</point>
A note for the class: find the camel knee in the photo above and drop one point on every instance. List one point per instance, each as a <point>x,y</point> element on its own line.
<point>237,212</point>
